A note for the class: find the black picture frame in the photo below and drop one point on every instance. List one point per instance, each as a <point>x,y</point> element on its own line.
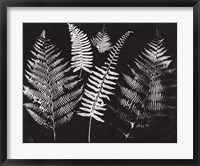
<point>97,3</point>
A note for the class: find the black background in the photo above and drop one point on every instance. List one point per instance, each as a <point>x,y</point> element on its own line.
<point>76,130</point>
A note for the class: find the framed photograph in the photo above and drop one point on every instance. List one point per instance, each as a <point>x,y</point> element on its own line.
<point>99,82</point>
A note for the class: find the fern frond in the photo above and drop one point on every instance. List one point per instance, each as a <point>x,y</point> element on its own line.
<point>100,85</point>
<point>147,87</point>
<point>142,96</point>
<point>154,63</point>
<point>81,50</point>
<point>50,105</point>
<point>102,41</point>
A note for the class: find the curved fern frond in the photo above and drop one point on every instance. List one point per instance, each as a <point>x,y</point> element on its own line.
<point>50,105</point>
<point>102,41</point>
<point>81,50</point>
<point>101,84</point>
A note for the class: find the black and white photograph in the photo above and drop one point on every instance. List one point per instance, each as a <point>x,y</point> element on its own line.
<point>99,82</point>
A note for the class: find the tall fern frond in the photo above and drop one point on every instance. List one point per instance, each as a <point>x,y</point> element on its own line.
<point>50,106</point>
<point>154,64</point>
<point>81,50</point>
<point>144,95</point>
<point>102,41</point>
<point>100,85</point>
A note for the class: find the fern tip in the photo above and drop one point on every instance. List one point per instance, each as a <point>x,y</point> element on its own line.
<point>43,33</point>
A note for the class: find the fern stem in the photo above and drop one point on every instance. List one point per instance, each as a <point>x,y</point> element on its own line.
<point>51,100</point>
<point>54,126</point>
<point>80,73</point>
<point>54,134</point>
<point>89,130</point>
<point>53,117</point>
<point>103,28</point>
